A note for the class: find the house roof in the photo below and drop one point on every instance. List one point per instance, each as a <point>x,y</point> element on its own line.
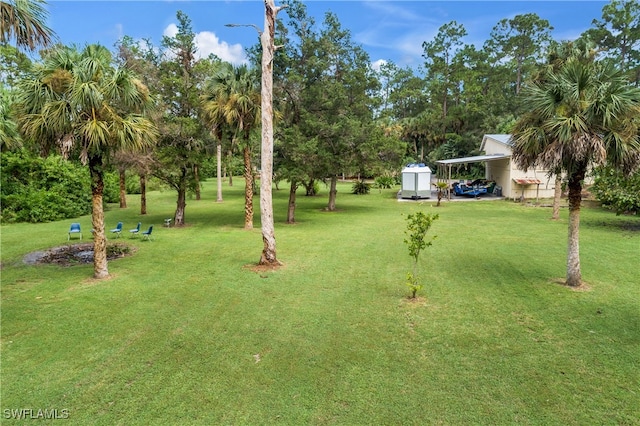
<point>504,139</point>
<point>474,159</point>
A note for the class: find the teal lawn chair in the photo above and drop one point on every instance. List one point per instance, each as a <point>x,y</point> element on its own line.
<point>74,229</point>
<point>146,235</point>
<point>135,231</point>
<point>117,230</point>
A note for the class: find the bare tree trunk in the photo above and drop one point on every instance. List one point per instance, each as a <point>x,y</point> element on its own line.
<point>180,207</point>
<point>248,188</point>
<point>196,174</point>
<point>333,191</point>
<point>143,194</point>
<point>123,188</point>
<point>310,190</point>
<point>519,75</point>
<point>219,172</point>
<point>557,194</point>
<point>100,267</point>
<point>574,276</point>
<point>268,256</point>
<point>181,204</point>
<point>291,210</point>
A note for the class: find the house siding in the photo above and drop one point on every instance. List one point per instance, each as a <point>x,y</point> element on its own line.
<point>504,171</point>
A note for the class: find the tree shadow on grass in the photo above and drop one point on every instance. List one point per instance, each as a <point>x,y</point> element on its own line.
<point>628,225</point>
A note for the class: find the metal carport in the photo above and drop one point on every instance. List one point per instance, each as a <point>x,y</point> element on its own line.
<point>444,166</point>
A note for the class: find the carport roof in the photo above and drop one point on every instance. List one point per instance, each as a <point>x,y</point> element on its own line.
<point>475,159</point>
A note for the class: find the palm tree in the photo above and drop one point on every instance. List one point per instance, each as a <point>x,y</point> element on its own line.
<point>214,102</point>
<point>582,114</point>
<point>441,187</point>
<point>79,101</point>
<point>579,49</point>
<point>241,110</point>
<point>24,21</point>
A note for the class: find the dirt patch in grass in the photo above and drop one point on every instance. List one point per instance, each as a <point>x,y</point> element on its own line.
<point>415,301</point>
<point>75,254</point>
<point>582,287</point>
<point>260,269</point>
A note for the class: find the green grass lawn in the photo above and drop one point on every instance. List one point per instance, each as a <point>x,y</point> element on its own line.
<point>186,333</point>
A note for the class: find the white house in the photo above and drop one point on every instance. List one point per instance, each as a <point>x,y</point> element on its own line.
<point>515,182</point>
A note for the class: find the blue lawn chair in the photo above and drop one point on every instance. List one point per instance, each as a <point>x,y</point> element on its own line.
<point>117,230</point>
<point>135,231</point>
<point>146,235</point>
<point>74,229</point>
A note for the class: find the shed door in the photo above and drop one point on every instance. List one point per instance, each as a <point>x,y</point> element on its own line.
<point>408,182</point>
<point>424,181</point>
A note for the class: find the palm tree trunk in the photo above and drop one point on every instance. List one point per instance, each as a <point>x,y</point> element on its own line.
<point>248,188</point>
<point>333,191</point>
<point>574,276</point>
<point>143,194</point>
<point>228,169</point>
<point>100,268</point>
<point>291,209</point>
<point>557,193</point>
<point>219,172</point>
<point>123,188</point>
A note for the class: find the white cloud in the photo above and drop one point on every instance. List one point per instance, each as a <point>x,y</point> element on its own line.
<point>377,64</point>
<point>407,46</point>
<point>388,9</point>
<point>170,31</point>
<point>119,30</point>
<point>207,43</point>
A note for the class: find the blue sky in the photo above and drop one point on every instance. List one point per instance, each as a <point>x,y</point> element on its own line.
<point>389,30</point>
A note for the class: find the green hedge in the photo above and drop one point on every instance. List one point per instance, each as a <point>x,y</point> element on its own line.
<point>618,192</point>
<point>38,189</point>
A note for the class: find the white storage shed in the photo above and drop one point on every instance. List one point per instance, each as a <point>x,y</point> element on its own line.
<point>416,181</point>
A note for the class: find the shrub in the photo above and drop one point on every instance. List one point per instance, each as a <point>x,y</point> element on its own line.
<point>384,182</point>
<point>360,187</point>
<point>617,192</point>
<point>34,189</point>
<point>111,193</point>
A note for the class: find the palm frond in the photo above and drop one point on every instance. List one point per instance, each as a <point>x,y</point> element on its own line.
<point>25,22</point>
<point>581,112</point>
<point>134,133</point>
<point>95,135</point>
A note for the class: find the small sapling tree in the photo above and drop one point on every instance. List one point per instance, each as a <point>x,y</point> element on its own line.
<point>418,224</point>
<point>441,187</point>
